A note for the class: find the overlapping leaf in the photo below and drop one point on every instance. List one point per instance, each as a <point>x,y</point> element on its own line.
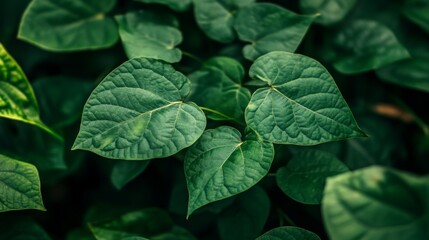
<point>148,34</point>
<point>216,17</point>
<point>137,113</point>
<point>293,233</point>
<point>376,203</point>
<point>125,171</point>
<point>269,27</point>
<point>418,12</point>
<point>367,45</point>
<point>217,86</point>
<point>221,165</point>
<point>302,104</point>
<point>19,186</point>
<point>178,5</point>
<point>331,11</point>
<point>63,25</point>
<point>303,178</point>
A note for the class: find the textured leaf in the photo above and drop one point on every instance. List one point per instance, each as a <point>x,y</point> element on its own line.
<point>376,203</point>
<point>418,12</point>
<point>269,27</point>
<point>217,86</point>
<point>331,11</point>
<point>410,73</point>
<point>63,25</point>
<point>303,178</point>
<point>246,218</point>
<point>367,45</point>
<point>149,223</point>
<point>19,186</point>
<point>216,17</point>
<point>137,113</point>
<point>125,171</point>
<point>178,5</point>
<point>220,165</point>
<point>18,228</point>
<point>147,34</point>
<point>17,99</point>
<point>302,104</point>
<point>290,233</point>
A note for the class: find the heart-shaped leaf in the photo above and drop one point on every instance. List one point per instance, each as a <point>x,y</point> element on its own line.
<point>292,233</point>
<point>376,203</point>
<point>217,86</point>
<point>19,186</point>
<point>220,164</point>
<point>302,104</point>
<point>303,178</point>
<point>269,27</point>
<point>17,99</point>
<point>148,34</point>
<point>366,45</point>
<point>216,17</point>
<point>137,113</point>
<point>63,25</point>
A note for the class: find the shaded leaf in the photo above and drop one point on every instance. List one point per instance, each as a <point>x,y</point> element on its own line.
<point>418,12</point>
<point>302,104</point>
<point>269,27</point>
<point>216,17</point>
<point>292,233</point>
<point>303,178</point>
<point>18,228</point>
<point>125,171</point>
<point>178,5</point>
<point>19,186</point>
<point>367,45</point>
<point>331,11</point>
<point>220,164</point>
<point>151,35</point>
<point>376,203</point>
<point>73,25</point>
<point>137,113</point>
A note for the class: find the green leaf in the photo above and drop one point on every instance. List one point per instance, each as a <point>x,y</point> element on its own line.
<point>73,25</point>
<point>17,99</point>
<point>217,86</point>
<point>220,165</point>
<point>19,228</point>
<point>137,113</point>
<point>19,186</point>
<point>331,11</point>
<point>177,5</point>
<point>302,104</point>
<point>376,203</point>
<point>303,178</point>
<point>151,35</point>
<point>245,219</point>
<point>216,17</point>
<point>418,12</point>
<point>125,171</point>
<point>367,45</point>
<point>292,233</point>
<point>410,73</point>
<point>269,27</point>
<point>149,223</point>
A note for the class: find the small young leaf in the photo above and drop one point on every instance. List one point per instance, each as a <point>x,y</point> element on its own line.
<point>302,104</point>
<point>125,171</point>
<point>177,5</point>
<point>292,233</point>
<point>19,186</point>
<point>418,12</point>
<point>137,113</point>
<point>367,45</point>
<point>220,165</point>
<point>63,25</point>
<point>147,34</point>
<point>269,27</point>
<point>303,178</point>
<point>331,11</point>
<point>217,86</point>
<point>216,17</point>
<point>149,223</point>
<point>17,99</point>
<point>376,203</point>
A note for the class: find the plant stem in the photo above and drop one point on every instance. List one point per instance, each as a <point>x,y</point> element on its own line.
<point>417,119</point>
<point>283,215</point>
<point>192,56</point>
<point>229,118</point>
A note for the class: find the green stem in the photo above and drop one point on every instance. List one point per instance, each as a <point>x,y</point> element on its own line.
<point>284,216</point>
<point>417,119</point>
<point>192,56</point>
<point>222,115</point>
